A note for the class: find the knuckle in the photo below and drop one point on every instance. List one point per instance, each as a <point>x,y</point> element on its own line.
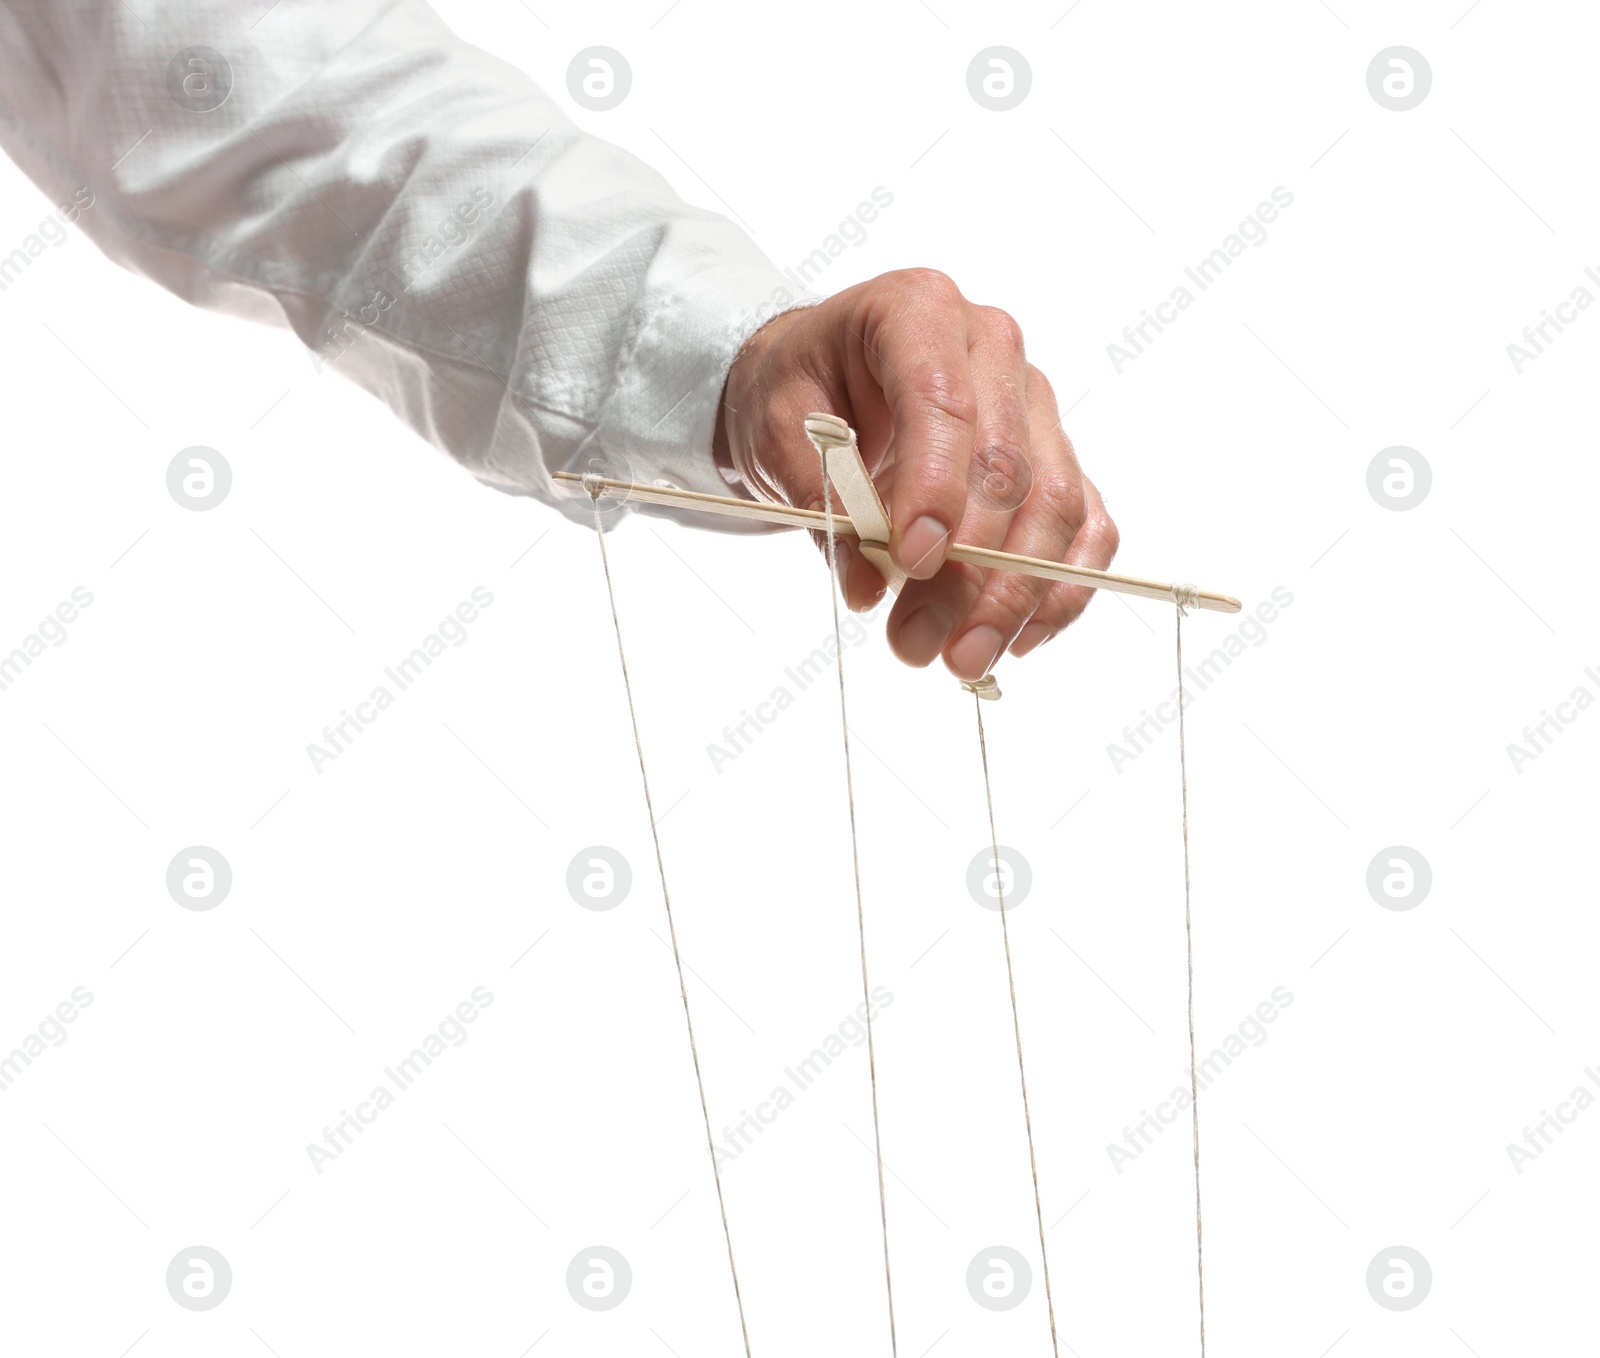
<point>1016,597</point>
<point>1002,471</point>
<point>1061,492</point>
<point>1000,327</point>
<point>1037,381</point>
<point>999,451</point>
<point>1111,535</point>
<point>1103,529</point>
<point>1062,606</point>
<point>933,286</point>
<point>950,396</point>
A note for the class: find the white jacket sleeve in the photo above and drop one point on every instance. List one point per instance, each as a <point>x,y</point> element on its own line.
<point>525,296</point>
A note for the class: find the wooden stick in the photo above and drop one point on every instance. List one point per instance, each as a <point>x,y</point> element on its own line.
<point>847,471</point>
<point>788,516</point>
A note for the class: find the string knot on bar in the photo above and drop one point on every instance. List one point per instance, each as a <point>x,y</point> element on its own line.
<point>1186,597</point>
<point>594,483</point>
<point>983,688</point>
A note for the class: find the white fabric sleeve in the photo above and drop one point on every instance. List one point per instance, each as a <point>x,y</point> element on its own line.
<point>525,296</point>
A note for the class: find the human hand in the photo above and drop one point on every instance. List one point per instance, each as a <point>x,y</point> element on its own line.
<point>961,434</point>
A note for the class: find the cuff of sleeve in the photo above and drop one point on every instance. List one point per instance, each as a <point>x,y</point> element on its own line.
<point>659,422</point>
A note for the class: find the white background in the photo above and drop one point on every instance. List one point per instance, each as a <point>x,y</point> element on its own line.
<point>372,897</point>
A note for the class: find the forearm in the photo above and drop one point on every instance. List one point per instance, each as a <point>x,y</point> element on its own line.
<point>525,296</point>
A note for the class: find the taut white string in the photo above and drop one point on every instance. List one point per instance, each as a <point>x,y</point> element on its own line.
<point>981,689</point>
<point>591,483</point>
<point>855,861</point>
<point>1186,597</point>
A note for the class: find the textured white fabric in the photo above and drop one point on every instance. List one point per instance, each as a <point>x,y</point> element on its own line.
<point>525,296</point>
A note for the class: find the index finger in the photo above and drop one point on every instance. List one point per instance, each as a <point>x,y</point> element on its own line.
<point>916,351</point>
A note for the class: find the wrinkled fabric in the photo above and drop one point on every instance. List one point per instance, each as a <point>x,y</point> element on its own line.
<point>525,296</point>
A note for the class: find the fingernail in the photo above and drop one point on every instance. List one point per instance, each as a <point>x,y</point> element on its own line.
<point>972,656</point>
<point>843,555</point>
<point>923,635</point>
<point>870,600</point>
<point>1034,634</point>
<point>922,547</point>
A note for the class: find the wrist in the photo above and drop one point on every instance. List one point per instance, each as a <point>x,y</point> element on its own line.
<point>721,453</point>
<point>741,398</point>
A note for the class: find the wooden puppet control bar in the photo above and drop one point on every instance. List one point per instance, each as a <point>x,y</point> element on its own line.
<point>869,524</point>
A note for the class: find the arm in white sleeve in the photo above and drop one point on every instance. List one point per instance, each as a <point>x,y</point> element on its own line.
<point>525,296</point>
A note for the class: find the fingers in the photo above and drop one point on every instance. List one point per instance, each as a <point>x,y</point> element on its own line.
<point>930,612</point>
<point>768,395</point>
<point>1094,547</point>
<point>915,343</point>
<point>1044,526</point>
<point>964,442</point>
<point>791,367</point>
<point>858,579</point>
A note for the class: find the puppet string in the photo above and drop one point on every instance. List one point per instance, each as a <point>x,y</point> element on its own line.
<point>978,694</point>
<point>855,860</point>
<point>1186,596</point>
<point>592,485</point>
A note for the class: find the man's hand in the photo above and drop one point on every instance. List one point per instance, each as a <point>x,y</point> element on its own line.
<point>963,440</point>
